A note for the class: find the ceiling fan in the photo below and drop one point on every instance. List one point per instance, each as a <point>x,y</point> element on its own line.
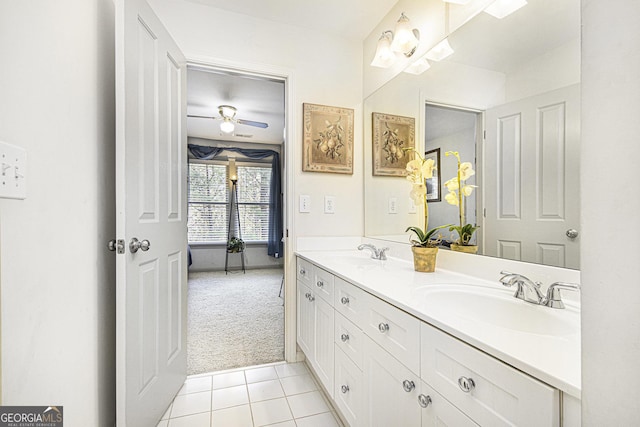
<point>228,117</point>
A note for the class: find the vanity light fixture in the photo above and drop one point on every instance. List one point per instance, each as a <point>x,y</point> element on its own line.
<point>403,40</point>
<point>502,8</point>
<point>440,51</point>
<point>418,67</point>
<point>227,125</point>
<point>457,1</point>
<point>384,56</point>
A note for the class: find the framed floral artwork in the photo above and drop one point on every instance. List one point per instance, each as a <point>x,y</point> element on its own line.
<point>433,183</point>
<point>391,136</point>
<point>327,139</point>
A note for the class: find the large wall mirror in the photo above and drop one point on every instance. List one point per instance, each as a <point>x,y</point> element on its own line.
<point>508,100</point>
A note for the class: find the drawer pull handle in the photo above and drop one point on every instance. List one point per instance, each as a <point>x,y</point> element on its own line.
<point>302,271</point>
<point>424,401</point>
<point>383,327</point>
<point>311,298</point>
<point>319,283</point>
<point>408,385</point>
<point>344,337</point>
<point>344,300</point>
<point>307,295</point>
<point>344,389</point>
<point>466,384</point>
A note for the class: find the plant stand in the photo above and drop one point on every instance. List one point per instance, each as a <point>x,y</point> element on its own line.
<point>234,206</point>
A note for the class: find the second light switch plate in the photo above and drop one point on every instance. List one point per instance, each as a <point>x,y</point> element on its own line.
<point>329,204</point>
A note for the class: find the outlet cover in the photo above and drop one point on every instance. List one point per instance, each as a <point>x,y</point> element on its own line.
<point>329,204</point>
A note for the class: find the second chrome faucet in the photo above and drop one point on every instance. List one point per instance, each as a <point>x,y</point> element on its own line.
<point>529,291</point>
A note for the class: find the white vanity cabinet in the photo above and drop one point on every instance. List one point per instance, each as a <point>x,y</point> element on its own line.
<point>315,318</point>
<point>384,367</point>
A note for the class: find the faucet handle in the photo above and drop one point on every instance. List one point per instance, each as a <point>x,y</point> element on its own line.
<point>382,253</point>
<point>554,299</point>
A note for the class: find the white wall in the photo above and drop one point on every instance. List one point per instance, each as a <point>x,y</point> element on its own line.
<point>326,70</point>
<point>610,267</point>
<point>58,293</point>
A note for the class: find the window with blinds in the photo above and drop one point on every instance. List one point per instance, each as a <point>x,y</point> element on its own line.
<point>253,201</point>
<point>208,202</point>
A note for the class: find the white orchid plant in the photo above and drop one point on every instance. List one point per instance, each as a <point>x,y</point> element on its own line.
<point>458,191</point>
<point>418,171</point>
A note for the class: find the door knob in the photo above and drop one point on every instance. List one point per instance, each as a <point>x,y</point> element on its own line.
<point>136,244</point>
<point>572,233</point>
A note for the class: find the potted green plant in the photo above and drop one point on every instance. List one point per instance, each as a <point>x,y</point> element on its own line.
<point>458,191</point>
<point>425,244</point>
<point>235,245</point>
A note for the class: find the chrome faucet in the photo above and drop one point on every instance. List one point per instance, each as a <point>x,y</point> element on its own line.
<point>526,290</point>
<point>375,252</point>
<point>529,290</point>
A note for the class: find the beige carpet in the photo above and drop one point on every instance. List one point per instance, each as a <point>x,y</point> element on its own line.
<point>234,320</point>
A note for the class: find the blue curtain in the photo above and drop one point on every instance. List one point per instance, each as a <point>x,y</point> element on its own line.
<point>274,242</point>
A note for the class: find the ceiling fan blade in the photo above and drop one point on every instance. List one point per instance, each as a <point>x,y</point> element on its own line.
<point>252,123</point>
<point>203,117</point>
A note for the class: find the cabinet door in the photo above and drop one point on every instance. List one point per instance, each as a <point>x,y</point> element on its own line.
<point>323,339</point>
<point>305,320</point>
<point>386,401</point>
<point>349,390</point>
<point>438,412</point>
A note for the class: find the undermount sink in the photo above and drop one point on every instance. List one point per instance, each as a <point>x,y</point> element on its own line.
<point>359,261</point>
<point>498,308</point>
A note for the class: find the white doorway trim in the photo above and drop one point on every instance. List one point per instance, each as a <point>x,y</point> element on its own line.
<point>289,153</point>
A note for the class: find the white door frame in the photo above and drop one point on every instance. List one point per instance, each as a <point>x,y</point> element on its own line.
<point>289,154</point>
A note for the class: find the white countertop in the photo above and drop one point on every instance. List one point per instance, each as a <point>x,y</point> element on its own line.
<point>554,360</point>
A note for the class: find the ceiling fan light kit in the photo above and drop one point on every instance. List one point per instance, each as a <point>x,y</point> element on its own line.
<point>227,114</point>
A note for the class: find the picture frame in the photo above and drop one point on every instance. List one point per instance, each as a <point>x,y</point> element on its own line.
<point>327,139</point>
<point>392,135</point>
<point>434,184</point>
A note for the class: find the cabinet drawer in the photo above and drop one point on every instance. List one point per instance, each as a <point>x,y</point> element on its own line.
<point>439,412</point>
<point>304,271</point>
<point>323,284</point>
<point>349,300</point>
<point>349,338</point>
<point>497,394</point>
<point>394,330</point>
<point>349,389</point>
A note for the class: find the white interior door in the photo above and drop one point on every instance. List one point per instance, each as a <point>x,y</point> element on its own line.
<point>532,194</point>
<point>151,202</point>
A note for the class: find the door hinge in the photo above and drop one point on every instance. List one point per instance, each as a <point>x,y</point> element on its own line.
<point>287,233</point>
<point>484,212</point>
<point>484,135</point>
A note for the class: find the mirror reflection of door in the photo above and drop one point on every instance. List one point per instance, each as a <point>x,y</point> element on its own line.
<point>453,129</point>
<point>532,193</point>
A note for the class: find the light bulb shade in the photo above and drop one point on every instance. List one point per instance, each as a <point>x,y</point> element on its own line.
<point>227,126</point>
<point>405,38</point>
<point>384,56</point>
<point>418,67</point>
<point>502,8</point>
<point>440,51</point>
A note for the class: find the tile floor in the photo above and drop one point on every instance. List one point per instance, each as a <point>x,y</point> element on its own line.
<point>282,395</point>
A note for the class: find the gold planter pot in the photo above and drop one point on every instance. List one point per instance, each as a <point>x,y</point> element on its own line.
<point>424,259</point>
<point>468,249</point>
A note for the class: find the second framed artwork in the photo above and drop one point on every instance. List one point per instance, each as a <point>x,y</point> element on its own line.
<point>392,135</point>
<point>433,183</point>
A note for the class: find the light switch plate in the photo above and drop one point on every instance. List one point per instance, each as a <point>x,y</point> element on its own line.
<point>13,171</point>
<point>329,204</point>
<point>305,204</point>
<point>412,207</point>
<point>393,205</point>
